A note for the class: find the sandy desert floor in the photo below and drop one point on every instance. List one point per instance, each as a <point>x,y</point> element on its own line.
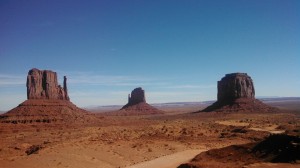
<point>137,142</point>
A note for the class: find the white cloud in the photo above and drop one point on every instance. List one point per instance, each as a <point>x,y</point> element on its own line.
<point>89,88</point>
<point>86,78</point>
<point>108,80</point>
<point>11,80</point>
<point>168,93</point>
<point>190,86</point>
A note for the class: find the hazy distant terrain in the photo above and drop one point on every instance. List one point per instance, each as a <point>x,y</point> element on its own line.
<point>292,103</point>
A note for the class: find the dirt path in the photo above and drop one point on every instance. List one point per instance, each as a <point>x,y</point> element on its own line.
<point>169,161</point>
<point>272,129</point>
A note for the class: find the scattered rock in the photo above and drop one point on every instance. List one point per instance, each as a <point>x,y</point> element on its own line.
<point>277,148</point>
<point>239,130</point>
<point>33,149</point>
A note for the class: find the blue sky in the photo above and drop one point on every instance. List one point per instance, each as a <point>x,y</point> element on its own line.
<point>176,50</point>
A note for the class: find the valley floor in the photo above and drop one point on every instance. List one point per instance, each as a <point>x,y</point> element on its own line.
<point>135,142</point>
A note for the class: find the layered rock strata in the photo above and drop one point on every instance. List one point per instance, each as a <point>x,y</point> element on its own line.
<point>47,102</point>
<point>236,93</point>
<point>42,84</point>
<point>234,86</point>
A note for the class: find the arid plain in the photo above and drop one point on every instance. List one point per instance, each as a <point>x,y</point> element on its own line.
<point>122,141</point>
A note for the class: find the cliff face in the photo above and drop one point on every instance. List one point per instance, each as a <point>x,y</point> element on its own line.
<point>42,84</point>
<point>137,105</point>
<point>137,96</point>
<point>236,93</point>
<point>47,102</point>
<point>234,86</point>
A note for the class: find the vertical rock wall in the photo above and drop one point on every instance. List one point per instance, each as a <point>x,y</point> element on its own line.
<point>137,96</point>
<point>234,86</point>
<point>42,84</point>
<point>236,94</point>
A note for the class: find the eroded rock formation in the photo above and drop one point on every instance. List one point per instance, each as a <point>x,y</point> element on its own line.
<point>137,96</point>
<point>47,102</point>
<point>234,86</point>
<point>137,104</point>
<point>236,93</point>
<point>42,84</point>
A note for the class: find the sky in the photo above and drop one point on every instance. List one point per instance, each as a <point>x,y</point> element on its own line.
<point>175,50</point>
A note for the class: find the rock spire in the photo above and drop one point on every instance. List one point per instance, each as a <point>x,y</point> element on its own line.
<point>137,105</point>
<point>137,96</point>
<point>47,102</point>
<point>42,84</point>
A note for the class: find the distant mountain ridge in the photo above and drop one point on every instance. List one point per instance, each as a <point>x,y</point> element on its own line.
<point>264,99</point>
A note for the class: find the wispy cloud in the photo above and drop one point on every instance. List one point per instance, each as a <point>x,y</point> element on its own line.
<point>123,80</point>
<point>91,78</point>
<point>90,88</point>
<point>86,78</point>
<point>12,80</point>
<point>191,86</point>
<point>110,80</point>
<point>170,93</point>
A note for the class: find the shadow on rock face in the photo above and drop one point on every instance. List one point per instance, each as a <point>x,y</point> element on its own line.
<point>279,148</point>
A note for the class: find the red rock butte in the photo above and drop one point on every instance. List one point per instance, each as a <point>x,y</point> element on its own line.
<point>46,102</point>
<point>137,104</point>
<point>137,96</point>
<point>236,93</point>
<point>42,84</point>
<point>234,86</point>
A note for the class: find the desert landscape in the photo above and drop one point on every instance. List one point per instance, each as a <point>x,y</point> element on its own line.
<point>149,84</point>
<point>48,130</point>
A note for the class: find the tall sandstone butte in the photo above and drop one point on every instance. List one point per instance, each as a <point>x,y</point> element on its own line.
<point>236,93</point>
<point>137,96</point>
<point>42,84</point>
<point>234,86</point>
<point>137,104</point>
<point>46,102</point>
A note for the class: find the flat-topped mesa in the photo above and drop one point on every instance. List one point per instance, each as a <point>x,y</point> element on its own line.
<point>42,84</point>
<point>137,96</point>
<point>236,94</point>
<point>234,86</point>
